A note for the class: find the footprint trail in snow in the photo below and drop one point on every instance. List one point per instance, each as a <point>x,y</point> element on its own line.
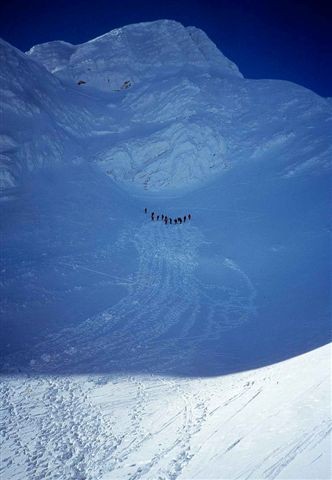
<point>170,314</point>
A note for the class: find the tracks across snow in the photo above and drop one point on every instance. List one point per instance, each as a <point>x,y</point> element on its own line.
<point>173,309</point>
<point>106,427</point>
<point>52,431</point>
<point>162,416</point>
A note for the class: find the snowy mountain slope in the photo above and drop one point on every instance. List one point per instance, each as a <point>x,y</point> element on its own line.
<point>133,54</point>
<point>134,349</point>
<point>53,55</point>
<point>198,126</point>
<point>268,423</point>
<point>183,116</point>
<point>41,126</point>
<point>127,326</point>
<point>255,249</point>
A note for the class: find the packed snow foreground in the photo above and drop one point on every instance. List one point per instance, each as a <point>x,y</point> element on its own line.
<point>134,349</point>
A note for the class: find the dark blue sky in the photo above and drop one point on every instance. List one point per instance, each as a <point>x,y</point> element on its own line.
<point>285,39</point>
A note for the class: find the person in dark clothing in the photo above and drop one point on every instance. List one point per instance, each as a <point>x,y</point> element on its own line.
<point>145,210</point>
<point>162,217</point>
<point>175,221</point>
<point>170,221</point>
<point>189,216</point>
<point>179,219</point>
<point>152,216</point>
<point>165,220</point>
<point>166,217</point>
<point>157,217</point>
<point>184,219</point>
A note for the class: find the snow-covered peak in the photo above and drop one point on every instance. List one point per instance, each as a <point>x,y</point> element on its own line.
<point>132,53</point>
<point>189,117</point>
<point>53,55</point>
<point>212,53</point>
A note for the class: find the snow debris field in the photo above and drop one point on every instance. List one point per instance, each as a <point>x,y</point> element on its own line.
<point>135,348</point>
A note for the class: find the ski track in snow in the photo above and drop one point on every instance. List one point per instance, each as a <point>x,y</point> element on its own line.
<point>141,426</point>
<point>146,427</point>
<point>163,294</point>
<point>159,314</point>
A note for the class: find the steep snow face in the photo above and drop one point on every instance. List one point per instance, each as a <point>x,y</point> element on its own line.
<point>161,109</point>
<point>218,62</point>
<point>25,95</point>
<point>185,129</point>
<point>39,118</point>
<point>176,155</point>
<point>130,54</point>
<point>53,55</point>
<point>45,123</point>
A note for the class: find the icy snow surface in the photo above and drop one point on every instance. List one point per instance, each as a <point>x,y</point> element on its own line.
<point>133,349</point>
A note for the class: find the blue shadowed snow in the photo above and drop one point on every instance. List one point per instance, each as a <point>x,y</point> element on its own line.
<point>88,282</point>
<point>92,285</point>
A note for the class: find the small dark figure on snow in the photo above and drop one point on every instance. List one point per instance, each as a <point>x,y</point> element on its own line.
<point>165,220</point>
<point>157,217</point>
<point>184,219</point>
<point>145,210</point>
<point>170,221</point>
<point>162,217</point>
<point>179,219</point>
<point>175,221</point>
<point>189,216</point>
<point>152,216</point>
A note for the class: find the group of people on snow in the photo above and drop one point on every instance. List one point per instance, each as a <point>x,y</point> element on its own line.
<point>168,220</point>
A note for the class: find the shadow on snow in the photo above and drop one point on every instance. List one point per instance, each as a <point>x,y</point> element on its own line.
<point>91,285</point>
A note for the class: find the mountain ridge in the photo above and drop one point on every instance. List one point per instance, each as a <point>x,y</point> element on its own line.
<point>167,111</point>
<point>162,43</point>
